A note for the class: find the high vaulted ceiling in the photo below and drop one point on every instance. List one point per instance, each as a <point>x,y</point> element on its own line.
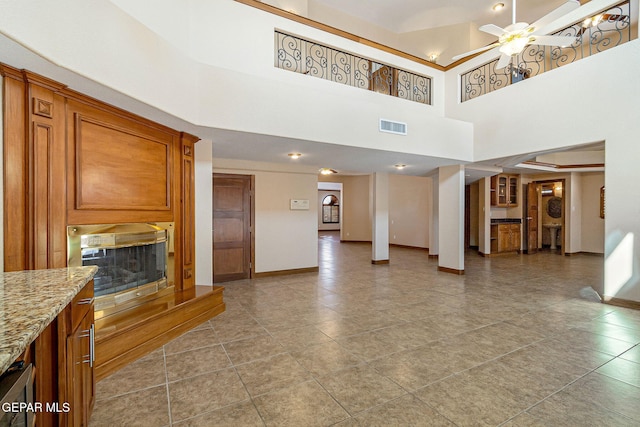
<point>427,29</point>
<point>401,16</point>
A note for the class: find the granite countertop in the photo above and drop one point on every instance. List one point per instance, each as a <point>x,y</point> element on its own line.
<point>30,300</point>
<point>506,221</point>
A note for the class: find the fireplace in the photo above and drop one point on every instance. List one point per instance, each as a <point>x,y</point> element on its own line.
<point>134,261</point>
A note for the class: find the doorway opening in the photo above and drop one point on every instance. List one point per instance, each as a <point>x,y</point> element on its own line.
<point>545,210</point>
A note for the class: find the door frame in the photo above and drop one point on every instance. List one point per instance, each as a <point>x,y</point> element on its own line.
<point>564,208</point>
<point>252,215</point>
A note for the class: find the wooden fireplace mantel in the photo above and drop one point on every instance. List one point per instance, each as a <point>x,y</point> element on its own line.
<point>70,159</point>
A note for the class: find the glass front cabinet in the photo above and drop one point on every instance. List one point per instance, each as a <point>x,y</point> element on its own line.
<point>504,190</point>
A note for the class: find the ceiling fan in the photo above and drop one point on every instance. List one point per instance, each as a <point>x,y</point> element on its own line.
<point>514,38</point>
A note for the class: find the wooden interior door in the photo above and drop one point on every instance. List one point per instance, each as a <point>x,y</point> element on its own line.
<point>531,219</point>
<point>231,227</point>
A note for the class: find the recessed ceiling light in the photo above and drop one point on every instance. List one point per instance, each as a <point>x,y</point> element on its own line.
<point>294,155</point>
<point>327,171</point>
<point>498,6</point>
<point>399,166</point>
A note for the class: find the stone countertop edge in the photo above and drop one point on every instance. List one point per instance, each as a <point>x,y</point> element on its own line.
<point>30,300</point>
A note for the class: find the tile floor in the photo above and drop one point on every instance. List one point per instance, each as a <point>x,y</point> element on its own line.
<point>510,343</point>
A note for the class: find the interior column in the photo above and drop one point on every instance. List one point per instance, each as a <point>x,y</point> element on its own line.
<point>451,219</point>
<point>434,224</point>
<point>380,220</point>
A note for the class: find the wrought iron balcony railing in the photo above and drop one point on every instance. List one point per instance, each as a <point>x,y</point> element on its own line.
<point>307,57</point>
<point>593,35</point>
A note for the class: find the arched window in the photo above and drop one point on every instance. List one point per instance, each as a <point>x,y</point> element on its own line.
<point>330,209</point>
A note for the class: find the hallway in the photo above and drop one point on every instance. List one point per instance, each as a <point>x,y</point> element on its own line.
<point>509,343</point>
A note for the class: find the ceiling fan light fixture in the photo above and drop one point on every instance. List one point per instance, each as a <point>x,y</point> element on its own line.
<point>327,171</point>
<point>513,44</point>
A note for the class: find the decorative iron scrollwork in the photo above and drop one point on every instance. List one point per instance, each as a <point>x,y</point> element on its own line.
<point>604,31</point>
<point>306,57</point>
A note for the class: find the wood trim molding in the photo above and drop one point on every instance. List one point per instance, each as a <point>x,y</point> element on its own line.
<point>560,167</point>
<point>332,30</point>
<point>619,302</point>
<point>596,254</point>
<point>409,247</point>
<point>287,272</point>
<point>433,256</point>
<point>379,261</point>
<point>450,270</point>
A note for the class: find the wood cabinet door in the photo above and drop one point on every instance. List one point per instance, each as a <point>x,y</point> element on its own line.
<point>504,238</point>
<point>80,381</point>
<point>231,227</point>
<point>516,238</point>
<point>531,220</point>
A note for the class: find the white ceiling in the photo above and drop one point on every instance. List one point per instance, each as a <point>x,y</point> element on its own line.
<point>400,16</point>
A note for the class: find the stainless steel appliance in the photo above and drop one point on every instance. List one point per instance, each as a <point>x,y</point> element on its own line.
<point>16,398</point>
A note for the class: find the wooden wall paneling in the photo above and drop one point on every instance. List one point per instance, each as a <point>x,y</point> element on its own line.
<point>187,143</point>
<point>119,170</point>
<point>15,170</point>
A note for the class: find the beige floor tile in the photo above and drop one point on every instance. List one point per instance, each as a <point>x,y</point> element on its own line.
<point>563,410</point>
<point>622,370</point>
<point>203,393</point>
<point>404,411</point>
<point>632,355</point>
<point>583,339</point>
<point>304,404</point>
<point>300,338</point>
<point>141,408</point>
<point>321,359</point>
<point>413,369</point>
<point>274,373</point>
<point>192,340</point>
<point>371,345</point>
<point>195,362</point>
<point>608,393</point>
<point>250,349</point>
<point>360,388</point>
<point>242,414</point>
<point>511,335</point>
<point>141,374</point>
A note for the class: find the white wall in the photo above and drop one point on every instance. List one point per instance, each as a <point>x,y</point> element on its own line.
<point>227,85</point>
<point>451,217</point>
<point>409,210</point>
<point>203,212</point>
<point>592,224</point>
<point>284,239</point>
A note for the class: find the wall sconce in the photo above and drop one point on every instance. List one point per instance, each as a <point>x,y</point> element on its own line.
<point>498,7</point>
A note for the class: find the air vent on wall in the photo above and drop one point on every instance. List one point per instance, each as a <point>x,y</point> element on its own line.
<point>393,127</point>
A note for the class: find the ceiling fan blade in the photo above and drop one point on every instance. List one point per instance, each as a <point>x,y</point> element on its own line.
<point>553,15</point>
<point>562,41</point>
<point>503,62</point>
<point>482,49</point>
<point>492,29</point>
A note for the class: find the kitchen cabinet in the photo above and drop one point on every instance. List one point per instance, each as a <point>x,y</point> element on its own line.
<point>504,190</point>
<point>79,380</point>
<point>505,237</point>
